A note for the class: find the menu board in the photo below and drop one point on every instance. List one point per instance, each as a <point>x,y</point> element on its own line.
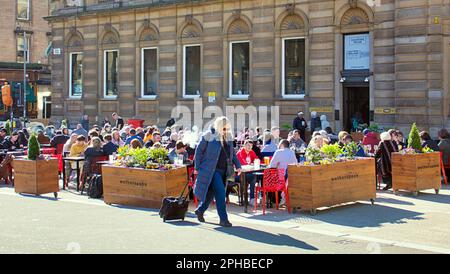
<point>356,51</point>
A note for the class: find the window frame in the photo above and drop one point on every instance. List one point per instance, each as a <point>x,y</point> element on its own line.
<point>28,11</point>
<point>190,96</point>
<point>71,76</point>
<point>283,68</point>
<point>28,46</point>
<point>151,97</point>
<point>104,73</point>
<point>230,70</point>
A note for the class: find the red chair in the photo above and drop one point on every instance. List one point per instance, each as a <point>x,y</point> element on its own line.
<point>192,178</point>
<point>273,181</point>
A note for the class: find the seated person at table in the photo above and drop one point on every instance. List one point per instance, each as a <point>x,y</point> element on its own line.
<point>156,138</point>
<point>135,144</point>
<point>77,150</point>
<point>383,157</point>
<point>370,139</point>
<point>316,142</point>
<point>42,138</point>
<point>269,147</point>
<point>11,142</point>
<point>59,139</point>
<point>360,153</point>
<point>179,151</point>
<point>109,148</point>
<point>93,151</point>
<point>428,142</point>
<point>172,141</point>
<point>281,159</point>
<point>133,136</point>
<point>68,145</point>
<point>23,140</point>
<point>247,156</point>
<point>3,134</point>
<point>283,156</point>
<point>296,141</point>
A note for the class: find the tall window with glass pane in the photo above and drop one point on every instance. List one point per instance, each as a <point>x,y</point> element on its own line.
<point>76,74</point>
<point>150,72</point>
<point>240,68</point>
<point>23,9</point>
<point>294,67</point>
<point>192,70</point>
<point>111,73</point>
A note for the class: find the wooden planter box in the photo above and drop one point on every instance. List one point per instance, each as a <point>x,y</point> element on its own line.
<point>311,187</point>
<point>36,177</point>
<point>416,172</point>
<point>140,187</point>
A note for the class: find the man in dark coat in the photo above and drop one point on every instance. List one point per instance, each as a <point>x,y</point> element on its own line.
<point>59,139</point>
<point>383,157</point>
<point>300,124</point>
<point>109,148</point>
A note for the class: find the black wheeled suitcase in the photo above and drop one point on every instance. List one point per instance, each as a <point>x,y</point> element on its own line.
<point>174,208</point>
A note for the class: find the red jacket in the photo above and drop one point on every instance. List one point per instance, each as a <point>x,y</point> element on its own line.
<point>242,156</point>
<point>371,139</point>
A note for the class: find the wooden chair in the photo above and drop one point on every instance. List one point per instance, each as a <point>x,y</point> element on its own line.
<point>91,168</point>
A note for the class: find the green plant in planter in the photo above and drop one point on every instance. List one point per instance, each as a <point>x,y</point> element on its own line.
<point>33,148</point>
<point>8,128</point>
<point>140,156</point>
<point>286,127</point>
<point>332,152</point>
<point>123,152</point>
<point>350,150</point>
<point>313,155</point>
<point>414,138</point>
<point>427,150</point>
<point>159,155</point>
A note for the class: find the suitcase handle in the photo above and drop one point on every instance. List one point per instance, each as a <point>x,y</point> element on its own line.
<point>184,189</point>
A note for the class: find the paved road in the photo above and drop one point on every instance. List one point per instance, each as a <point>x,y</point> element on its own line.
<point>76,224</point>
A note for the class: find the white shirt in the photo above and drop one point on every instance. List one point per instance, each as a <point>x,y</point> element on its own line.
<point>282,158</point>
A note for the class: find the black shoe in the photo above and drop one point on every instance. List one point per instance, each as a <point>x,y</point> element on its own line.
<point>225,224</point>
<point>200,217</point>
<point>387,187</point>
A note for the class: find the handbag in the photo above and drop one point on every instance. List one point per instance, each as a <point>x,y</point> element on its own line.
<point>229,175</point>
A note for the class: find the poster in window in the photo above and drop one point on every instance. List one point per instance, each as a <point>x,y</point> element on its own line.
<point>357,51</point>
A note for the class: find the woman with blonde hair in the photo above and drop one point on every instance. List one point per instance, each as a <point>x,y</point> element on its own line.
<point>316,142</point>
<point>116,139</point>
<point>215,160</point>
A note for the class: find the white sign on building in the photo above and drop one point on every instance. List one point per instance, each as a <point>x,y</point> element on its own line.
<point>356,51</point>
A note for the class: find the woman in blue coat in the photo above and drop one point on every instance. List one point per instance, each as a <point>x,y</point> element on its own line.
<point>211,161</point>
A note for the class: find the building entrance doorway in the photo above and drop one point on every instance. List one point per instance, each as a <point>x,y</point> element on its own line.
<point>356,107</point>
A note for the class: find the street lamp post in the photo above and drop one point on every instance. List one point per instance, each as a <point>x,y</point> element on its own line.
<point>25,60</point>
<point>25,57</point>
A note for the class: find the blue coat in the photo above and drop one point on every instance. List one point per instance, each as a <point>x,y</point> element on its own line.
<point>206,157</point>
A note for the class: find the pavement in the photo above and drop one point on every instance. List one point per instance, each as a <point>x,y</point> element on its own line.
<point>75,224</point>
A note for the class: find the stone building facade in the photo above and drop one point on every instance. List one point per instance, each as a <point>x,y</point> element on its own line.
<point>381,61</point>
<point>19,16</point>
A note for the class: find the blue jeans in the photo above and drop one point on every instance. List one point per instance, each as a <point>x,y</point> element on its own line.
<point>216,190</point>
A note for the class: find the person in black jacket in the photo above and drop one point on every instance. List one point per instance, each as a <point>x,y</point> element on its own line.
<point>428,142</point>
<point>11,142</point>
<point>109,148</point>
<point>59,139</point>
<point>119,121</point>
<point>300,124</point>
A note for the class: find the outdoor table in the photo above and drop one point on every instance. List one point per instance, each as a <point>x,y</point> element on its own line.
<point>72,159</point>
<point>244,192</point>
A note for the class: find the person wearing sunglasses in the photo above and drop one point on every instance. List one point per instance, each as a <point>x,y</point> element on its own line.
<point>215,161</point>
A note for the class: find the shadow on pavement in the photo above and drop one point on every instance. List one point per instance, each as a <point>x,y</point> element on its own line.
<point>265,237</point>
<point>430,197</point>
<point>182,223</point>
<point>393,201</point>
<point>52,198</point>
<point>351,215</point>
